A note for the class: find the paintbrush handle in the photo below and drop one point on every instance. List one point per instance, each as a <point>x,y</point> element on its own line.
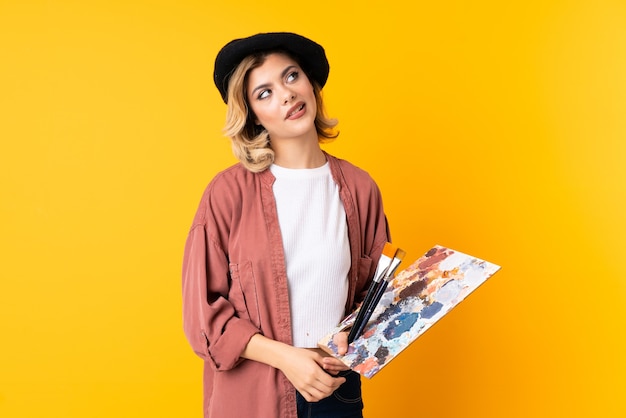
<point>371,292</point>
<point>380,290</point>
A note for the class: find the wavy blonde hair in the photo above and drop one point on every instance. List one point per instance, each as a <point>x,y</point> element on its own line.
<point>251,143</point>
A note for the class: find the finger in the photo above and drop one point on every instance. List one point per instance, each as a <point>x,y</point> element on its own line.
<point>321,390</point>
<point>316,389</point>
<point>333,364</point>
<point>328,384</point>
<point>333,370</point>
<point>307,396</point>
<point>338,382</point>
<point>341,342</point>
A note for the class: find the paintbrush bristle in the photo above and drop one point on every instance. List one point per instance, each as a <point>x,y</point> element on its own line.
<point>400,253</point>
<point>389,250</point>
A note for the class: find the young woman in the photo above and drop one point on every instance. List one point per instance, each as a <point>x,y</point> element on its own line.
<point>283,245</point>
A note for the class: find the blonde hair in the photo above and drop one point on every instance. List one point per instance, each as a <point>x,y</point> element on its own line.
<point>250,142</point>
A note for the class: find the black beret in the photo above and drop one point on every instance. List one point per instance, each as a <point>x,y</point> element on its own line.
<point>310,56</point>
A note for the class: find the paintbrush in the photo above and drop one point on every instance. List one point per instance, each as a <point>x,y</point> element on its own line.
<point>385,260</point>
<point>380,290</point>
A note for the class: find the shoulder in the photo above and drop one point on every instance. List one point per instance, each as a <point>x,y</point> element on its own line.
<point>224,193</point>
<point>352,175</point>
<point>234,181</point>
<point>230,176</point>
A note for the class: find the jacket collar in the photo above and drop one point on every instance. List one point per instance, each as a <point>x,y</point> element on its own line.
<point>268,178</point>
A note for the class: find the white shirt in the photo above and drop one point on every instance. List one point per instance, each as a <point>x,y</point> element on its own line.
<point>317,251</point>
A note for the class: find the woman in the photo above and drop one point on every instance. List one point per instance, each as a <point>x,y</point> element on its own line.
<point>281,247</point>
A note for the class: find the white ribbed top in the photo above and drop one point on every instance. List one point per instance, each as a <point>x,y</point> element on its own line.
<point>317,251</point>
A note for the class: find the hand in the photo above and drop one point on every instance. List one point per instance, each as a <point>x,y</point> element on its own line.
<point>341,341</point>
<point>331,364</point>
<point>304,370</point>
<point>303,367</point>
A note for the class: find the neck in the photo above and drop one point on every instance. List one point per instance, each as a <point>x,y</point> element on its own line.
<point>298,153</point>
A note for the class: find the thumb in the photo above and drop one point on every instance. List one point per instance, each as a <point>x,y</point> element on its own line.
<point>341,342</point>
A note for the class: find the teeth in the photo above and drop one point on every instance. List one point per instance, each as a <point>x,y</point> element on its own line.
<point>297,110</point>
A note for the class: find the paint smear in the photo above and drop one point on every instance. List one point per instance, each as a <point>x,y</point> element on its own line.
<point>415,300</point>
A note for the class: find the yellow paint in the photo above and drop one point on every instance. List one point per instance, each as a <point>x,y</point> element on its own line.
<point>494,128</point>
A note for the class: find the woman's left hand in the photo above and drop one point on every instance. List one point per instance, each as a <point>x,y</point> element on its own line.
<point>331,364</point>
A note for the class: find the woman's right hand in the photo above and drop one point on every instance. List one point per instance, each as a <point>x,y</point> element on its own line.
<point>303,367</point>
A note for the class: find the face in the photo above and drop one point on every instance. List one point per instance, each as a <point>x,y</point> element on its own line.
<point>281,98</point>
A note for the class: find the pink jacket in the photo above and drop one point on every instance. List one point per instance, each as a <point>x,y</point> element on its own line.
<point>235,285</point>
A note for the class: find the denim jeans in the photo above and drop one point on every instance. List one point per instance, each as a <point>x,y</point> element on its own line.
<point>345,402</point>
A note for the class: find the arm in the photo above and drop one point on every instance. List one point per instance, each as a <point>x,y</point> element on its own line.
<point>303,367</point>
<point>214,332</point>
<point>222,339</point>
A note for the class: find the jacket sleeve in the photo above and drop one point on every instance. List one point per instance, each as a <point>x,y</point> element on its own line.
<point>211,326</point>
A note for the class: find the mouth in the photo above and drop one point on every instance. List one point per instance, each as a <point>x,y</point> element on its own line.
<point>296,111</point>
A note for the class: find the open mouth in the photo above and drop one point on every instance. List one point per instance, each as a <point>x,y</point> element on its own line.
<point>295,110</point>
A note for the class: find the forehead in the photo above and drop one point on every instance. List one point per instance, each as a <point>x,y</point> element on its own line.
<point>273,66</point>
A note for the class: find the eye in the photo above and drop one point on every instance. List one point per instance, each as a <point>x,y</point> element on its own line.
<point>292,76</point>
<point>263,94</point>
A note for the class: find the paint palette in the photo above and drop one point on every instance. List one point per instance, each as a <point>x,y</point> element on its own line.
<point>415,300</point>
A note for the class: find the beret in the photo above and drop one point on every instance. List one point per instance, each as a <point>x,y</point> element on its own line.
<point>310,56</point>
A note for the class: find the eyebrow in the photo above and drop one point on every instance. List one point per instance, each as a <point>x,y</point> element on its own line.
<point>282,75</point>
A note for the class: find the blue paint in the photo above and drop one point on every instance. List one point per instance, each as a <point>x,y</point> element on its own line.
<point>431,310</point>
<point>400,324</point>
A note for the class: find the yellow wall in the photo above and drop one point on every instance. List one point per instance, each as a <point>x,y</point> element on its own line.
<point>495,128</point>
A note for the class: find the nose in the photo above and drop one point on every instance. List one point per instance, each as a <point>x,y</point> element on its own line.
<point>289,96</point>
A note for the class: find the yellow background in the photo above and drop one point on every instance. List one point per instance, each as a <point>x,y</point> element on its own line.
<point>495,128</point>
